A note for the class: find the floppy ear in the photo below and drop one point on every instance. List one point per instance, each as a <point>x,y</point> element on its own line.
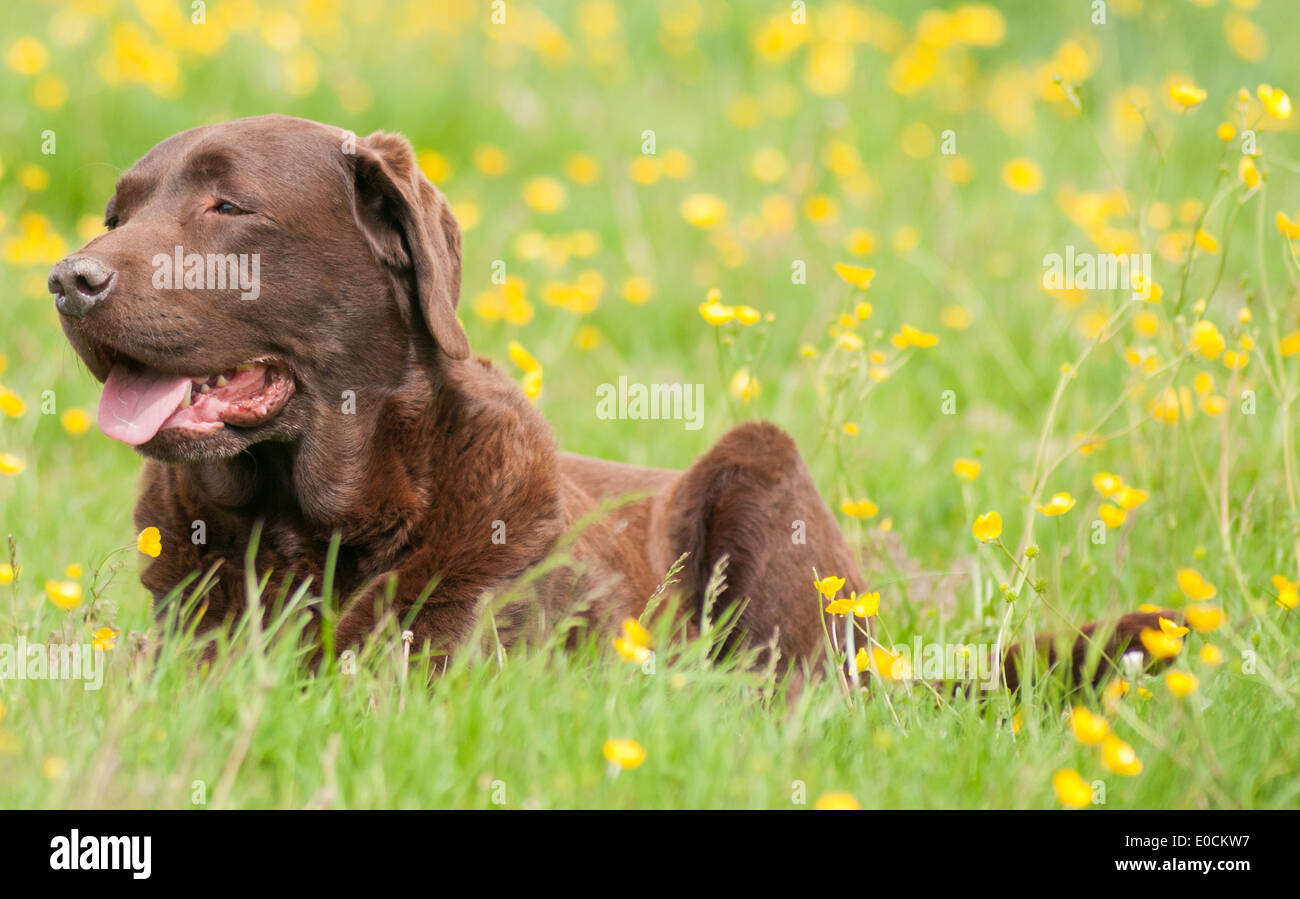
<point>410,228</point>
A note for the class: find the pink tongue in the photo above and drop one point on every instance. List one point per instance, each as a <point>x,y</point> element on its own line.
<point>135,404</point>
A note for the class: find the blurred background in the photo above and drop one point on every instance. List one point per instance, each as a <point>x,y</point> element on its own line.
<point>623,160</point>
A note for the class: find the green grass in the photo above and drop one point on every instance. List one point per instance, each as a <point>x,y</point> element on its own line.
<point>262,730</point>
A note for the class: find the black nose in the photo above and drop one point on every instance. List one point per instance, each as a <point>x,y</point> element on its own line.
<point>78,283</point>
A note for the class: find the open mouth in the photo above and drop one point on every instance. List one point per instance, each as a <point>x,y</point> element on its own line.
<point>139,401</point>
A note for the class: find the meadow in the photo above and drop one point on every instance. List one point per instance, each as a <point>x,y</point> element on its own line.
<point>834,216</point>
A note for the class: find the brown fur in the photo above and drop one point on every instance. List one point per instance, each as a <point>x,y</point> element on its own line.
<point>359,289</point>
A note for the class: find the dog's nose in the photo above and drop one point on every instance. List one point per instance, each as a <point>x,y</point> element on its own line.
<point>78,283</point>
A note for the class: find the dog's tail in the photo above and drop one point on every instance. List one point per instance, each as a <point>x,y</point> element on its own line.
<point>1098,649</point>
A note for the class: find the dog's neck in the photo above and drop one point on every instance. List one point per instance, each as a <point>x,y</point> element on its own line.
<point>395,469</point>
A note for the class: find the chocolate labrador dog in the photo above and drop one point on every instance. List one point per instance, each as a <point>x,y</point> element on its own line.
<point>272,313</point>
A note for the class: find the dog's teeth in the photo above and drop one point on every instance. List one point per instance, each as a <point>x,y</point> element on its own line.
<point>187,400</point>
<point>205,389</point>
<point>245,366</point>
<point>221,381</point>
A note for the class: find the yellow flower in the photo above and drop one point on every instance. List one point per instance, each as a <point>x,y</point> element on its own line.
<point>1207,340</point>
<point>1071,789</point>
<point>1059,504</point>
<point>714,312</point>
<point>966,469</point>
<point>1181,683</point>
<point>829,586</point>
<point>6,573</point>
<point>1205,618</point>
<point>1106,483</point>
<point>105,638</point>
<point>704,210</point>
<point>1172,629</point>
<point>531,384</point>
<point>11,464</point>
<point>855,274</point>
<point>544,195</point>
<point>1248,172</point>
<point>1226,132</point>
<point>1196,587</point>
<point>1119,757</point>
<point>75,421</point>
<point>863,508</point>
<point>1089,729</point>
<point>1023,176</point>
<point>1129,498</point>
<point>956,317</point>
<point>837,802</point>
<point>1113,516</point>
<point>1288,228</point>
<point>624,753</point>
<point>864,607</point>
<point>745,386</point>
<point>1211,654</point>
<point>862,311</point>
<point>1186,94</point>
<point>891,665</point>
<point>73,571</point>
<point>1275,101</point>
<point>914,337</point>
<point>149,542</point>
<point>27,56</point>
<point>53,767</point>
<point>987,527</point>
<point>490,160</point>
<point>1159,644</point>
<point>748,315</point>
<point>851,428</point>
<point>847,340</point>
<point>522,358</point>
<point>11,404</point>
<point>582,169</point>
<point>64,594</point>
<point>635,644</point>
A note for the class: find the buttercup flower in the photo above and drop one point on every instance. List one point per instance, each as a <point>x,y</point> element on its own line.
<point>863,508</point>
<point>966,469</point>
<point>105,638</point>
<point>1160,644</point>
<point>149,542</point>
<point>865,607</point>
<point>1181,683</point>
<point>1204,617</point>
<point>837,802</point>
<point>987,527</point>
<point>1071,789</point>
<point>855,274</point>
<point>829,586</point>
<point>624,754</point>
<point>1119,757</point>
<point>64,594</point>
<point>1059,504</point>
<point>1186,94</point>
<point>1194,586</point>
<point>1089,729</point>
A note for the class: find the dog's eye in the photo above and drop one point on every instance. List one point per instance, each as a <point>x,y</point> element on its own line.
<point>225,207</point>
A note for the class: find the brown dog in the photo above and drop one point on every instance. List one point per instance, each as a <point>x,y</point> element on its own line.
<point>273,315</point>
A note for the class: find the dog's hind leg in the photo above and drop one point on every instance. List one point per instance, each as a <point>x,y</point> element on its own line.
<point>751,499</point>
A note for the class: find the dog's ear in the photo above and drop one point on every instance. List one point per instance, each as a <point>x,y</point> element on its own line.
<point>410,228</point>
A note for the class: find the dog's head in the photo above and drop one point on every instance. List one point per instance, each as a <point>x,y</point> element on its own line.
<point>256,276</point>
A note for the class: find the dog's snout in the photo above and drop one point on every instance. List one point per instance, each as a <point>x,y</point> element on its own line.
<point>78,283</point>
